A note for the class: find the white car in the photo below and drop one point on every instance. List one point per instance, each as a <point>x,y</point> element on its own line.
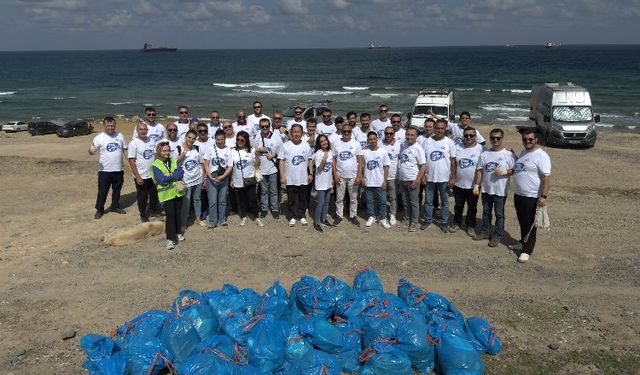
<point>15,126</point>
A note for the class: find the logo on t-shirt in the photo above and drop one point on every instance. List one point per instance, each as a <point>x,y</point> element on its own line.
<point>111,147</point>
<point>191,165</point>
<point>465,163</point>
<point>147,154</point>
<point>404,157</point>
<point>241,164</point>
<point>491,166</point>
<point>458,141</point>
<point>372,164</point>
<point>364,144</point>
<point>297,160</point>
<point>380,133</point>
<point>155,137</point>
<point>345,155</point>
<point>327,166</point>
<point>436,155</point>
<point>390,155</point>
<point>519,167</point>
<point>218,161</point>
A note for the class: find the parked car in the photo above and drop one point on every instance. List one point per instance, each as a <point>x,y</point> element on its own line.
<point>15,126</point>
<point>430,102</point>
<point>42,127</point>
<point>309,110</point>
<point>73,128</point>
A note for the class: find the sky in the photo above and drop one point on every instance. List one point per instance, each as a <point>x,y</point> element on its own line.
<point>248,24</point>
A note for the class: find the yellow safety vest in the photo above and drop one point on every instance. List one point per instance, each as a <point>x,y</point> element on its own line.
<point>168,191</point>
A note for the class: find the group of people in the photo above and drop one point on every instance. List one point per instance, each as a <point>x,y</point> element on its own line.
<point>190,163</point>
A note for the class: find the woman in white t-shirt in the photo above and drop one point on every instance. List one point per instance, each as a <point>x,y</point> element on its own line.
<point>218,167</point>
<point>296,168</point>
<point>323,161</point>
<point>190,161</point>
<point>245,163</point>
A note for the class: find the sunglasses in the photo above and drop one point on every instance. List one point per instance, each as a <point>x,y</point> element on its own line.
<point>227,127</point>
<point>389,133</point>
<point>184,113</point>
<point>298,112</point>
<point>257,106</point>
<point>242,116</point>
<point>264,126</point>
<point>172,130</point>
<point>326,116</point>
<point>215,116</point>
<point>240,140</point>
<point>277,118</point>
<point>469,135</point>
<point>151,114</point>
<point>384,110</point>
<point>528,139</point>
<point>396,122</point>
<point>346,132</point>
<point>496,138</point>
<point>203,131</point>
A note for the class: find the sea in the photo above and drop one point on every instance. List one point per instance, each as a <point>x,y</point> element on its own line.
<point>492,83</point>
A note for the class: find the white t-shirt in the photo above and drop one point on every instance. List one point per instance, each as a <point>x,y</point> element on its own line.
<point>218,157</point>
<point>346,157</point>
<point>400,136</point>
<point>489,161</point>
<point>247,128</point>
<point>528,170</point>
<point>254,121</point>
<point>333,138</point>
<point>457,134</point>
<point>295,157</point>
<point>213,129</point>
<point>326,129</point>
<point>204,146</point>
<point>173,146</point>
<point>192,167</point>
<point>144,151</point>
<point>156,132</point>
<point>311,140</point>
<point>361,136</point>
<point>439,155</point>
<point>182,128</point>
<point>243,166</point>
<point>324,176</point>
<point>301,122</point>
<point>379,126</point>
<point>374,163</point>
<point>273,145</point>
<point>393,152</point>
<point>110,148</point>
<point>421,140</point>
<point>467,159</point>
<point>410,160</point>
<point>230,142</point>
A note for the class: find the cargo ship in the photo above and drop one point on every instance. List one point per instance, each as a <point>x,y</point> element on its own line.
<point>149,48</point>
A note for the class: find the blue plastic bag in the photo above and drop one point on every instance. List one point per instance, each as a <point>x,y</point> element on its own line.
<point>321,334</point>
<point>379,328</point>
<point>455,355</point>
<point>274,301</point>
<point>104,357</point>
<point>202,319</point>
<point>210,364</point>
<point>412,338</point>
<point>384,359</point>
<point>297,344</point>
<point>336,289</point>
<point>179,337</point>
<point>147,324</point>
<point>315,362</point>
<point>482,335</point>
<point>348,355</point>
<point>230,301</point>
<point>312,299</point>
<point>185,299</point>
<point>352,308</point>
<point>266,343</point>
<point>147,356</point>
<point>223,347</point>
<point>368,282</point>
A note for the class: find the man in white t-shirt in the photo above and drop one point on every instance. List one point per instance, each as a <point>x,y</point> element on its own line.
<point>254,119</point>
<point>492,175</point>
<point>214,125</point>
<point>396,122</point>
<point>296,169</point>
<point>346,162</point>
<point>204,143</point>
<point>382,121</point>
<point>172,138</point>
<point>531,178</point>
<point>467,159</point>
<point>456,130</point>
<point>156,130</point>
<point>268,144</point>
<point>241,123</point>
<point>412,166</point>
<point>392,146</point>
<point>280,129</point>
<point>297,119</point>
<point>440,153</point>
<point>142,153</point>
<point>183,121</point>
<point>326,127</point>
<point>111,146</point>
<point>374,172</point>
<point>360,134</point>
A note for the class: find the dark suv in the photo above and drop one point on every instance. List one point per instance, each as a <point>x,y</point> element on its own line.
<point>42,127</point>
<point>73,128</point>
<point>310,110</point>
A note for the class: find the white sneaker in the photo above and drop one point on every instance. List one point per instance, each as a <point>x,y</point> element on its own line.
<point>370,221</point>
<point>243,222</point>
<point>392,220</point>
<point>303,221</point>
<point>292,222</point>
<point>180,237</point>
<point>259,222</point>
<point>523,258</point>
<point>170,245</point>
<point>385,224</point>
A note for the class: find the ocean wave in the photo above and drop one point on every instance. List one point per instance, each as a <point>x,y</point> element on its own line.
<point>6,93</point>
<point>631,127</point>
<point>384,95</point>
<point>602,125</point>
<point>502,108</point>
<point>514,118</point>
<point>151,105</point>
<point>610,115</point>
<point>517,91</point>
<point>120,103</point>
<point>296,93</point>
<point>63,97</point>
<point>355,88</point>
<point>464,89</point>
<point>260,85</point>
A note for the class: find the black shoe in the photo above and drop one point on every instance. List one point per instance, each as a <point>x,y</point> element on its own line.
<point>327,224</point>
<point>262,214</point>
<point>144,219</point>
<point>118,210</point>
<point>424,226</point>
<point>444,228</point>
<point>98,214</point>
<point>317,227</point>
<point>354,221</point>
<point>276,215</point>
<point>337,221</point>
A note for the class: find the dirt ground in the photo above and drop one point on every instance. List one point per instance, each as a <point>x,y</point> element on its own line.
<point>573,309</point>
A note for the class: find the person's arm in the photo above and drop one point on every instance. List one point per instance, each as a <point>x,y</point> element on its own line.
<point>283,177</point>
<point>336,178</point>
<point>206,165</point>
<point>360,169</point>
<point>384,180</point>
<point>309,171</point>
<point>160,177</point>
<point>323,161</point>
<point>134,170</point>
<point>544,190</point>
<point>452,175</point>
<point>421,172</point>
<point>477,177</point>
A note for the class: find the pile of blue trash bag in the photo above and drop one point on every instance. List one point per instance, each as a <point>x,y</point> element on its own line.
<point>319,327</point>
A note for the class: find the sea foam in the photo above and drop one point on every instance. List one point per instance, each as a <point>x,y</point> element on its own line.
<point>260,85</point>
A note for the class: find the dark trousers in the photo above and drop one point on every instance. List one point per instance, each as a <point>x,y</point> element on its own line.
<point>106,180</point>
<point>296,201</point>
<point>147,197</point>
<point>310,188</point>
<point>526,213</point>
<point>247,199</point>
<point>204,198</point>
<point>172,210</point>
<point>462,197</point>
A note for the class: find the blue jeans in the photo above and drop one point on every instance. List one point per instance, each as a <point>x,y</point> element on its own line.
<point>193,192</point>
<point>490,203</point>
<point>322,205</point>
<point>381,197</point>
<point>439,188</point>
<point>217,194</point>
<point>269,193</point>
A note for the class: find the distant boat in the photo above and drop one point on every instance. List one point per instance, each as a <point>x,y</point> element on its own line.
<point>551,45</point>
<point>373,46</point>
<point>509,45</point>
<point>149,48</point>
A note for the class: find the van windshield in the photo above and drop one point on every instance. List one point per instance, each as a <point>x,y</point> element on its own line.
<point>572,114</point>
<point>424,110</point>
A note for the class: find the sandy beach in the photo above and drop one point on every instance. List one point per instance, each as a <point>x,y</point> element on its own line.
<point>573,309</point>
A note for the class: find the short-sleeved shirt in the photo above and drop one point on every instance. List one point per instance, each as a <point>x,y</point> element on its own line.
<point>374,162</point>
<point>346,157</point>
<point>439,154</point>
<point>400,136</point>
<point>393,152</point>
<point>457,134</point>
<point>273,145</point>
<point>361,136</point>
<point>192,167</point>
<point>144,153</point>
<point>183,128</point>
<point>218,157</point>
<point>302,123</point>
<point>156,132</point>
<point>296,157</point>
<point>491,183</point>
<point>213,128</point>
<point>528,171</point>
<point>204,147</point>
<point>410,160</point>
<point>110,148</point>
<point>254,121</point>
<point>243,166</point>
<point>324,176</point>
<point>247,128</point>
<point>326,129</point>
<point>230,142</point>
<point>467,159</point>
<point>379,126</point>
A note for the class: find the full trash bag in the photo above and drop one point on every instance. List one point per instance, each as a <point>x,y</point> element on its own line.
<point>348,355</point>
<point>104,357</point>
<point>179,337</point>
<point>147,356</point>
<point>315,362</point>
<point>412,338</point>
<point>274,301</point>
<point>147,324</point>
<point>321,334</point>
<point>312,299</point>
<point>265,343</point>
<point>368,282</point>
<point>482,335</point>
<point>455,355</point>
<point>297,344</point>
<point>385,359</point>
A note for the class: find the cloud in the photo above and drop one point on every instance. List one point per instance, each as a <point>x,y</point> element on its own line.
<point>53,4</point>
<point>295,7</point>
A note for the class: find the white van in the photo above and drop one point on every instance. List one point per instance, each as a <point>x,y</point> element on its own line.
<point>430,102</point>
<point>563,114</point>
